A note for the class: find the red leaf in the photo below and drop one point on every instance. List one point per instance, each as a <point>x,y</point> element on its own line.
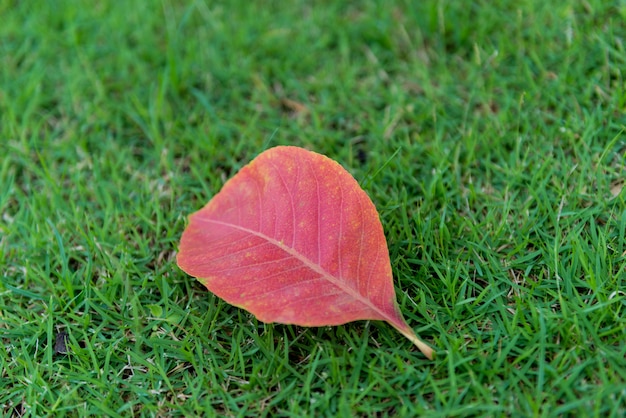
<point>293,239</point>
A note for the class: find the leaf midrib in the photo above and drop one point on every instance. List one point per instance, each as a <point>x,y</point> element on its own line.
<point>310,264</point>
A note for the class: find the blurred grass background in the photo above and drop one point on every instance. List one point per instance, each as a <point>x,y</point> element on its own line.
<point>501,125</point>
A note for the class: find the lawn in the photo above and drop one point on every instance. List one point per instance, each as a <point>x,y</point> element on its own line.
<point>489,135</point>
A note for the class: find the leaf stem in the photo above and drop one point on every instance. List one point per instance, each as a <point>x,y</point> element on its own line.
<point>423,347</point>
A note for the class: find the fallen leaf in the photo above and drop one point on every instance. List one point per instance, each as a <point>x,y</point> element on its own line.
<point>296,108</point>
<point>60,343</point>
<point>292,238</point>
<point>616,188</point>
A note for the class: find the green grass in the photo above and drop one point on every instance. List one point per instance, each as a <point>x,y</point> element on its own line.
<point>503,203</point>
